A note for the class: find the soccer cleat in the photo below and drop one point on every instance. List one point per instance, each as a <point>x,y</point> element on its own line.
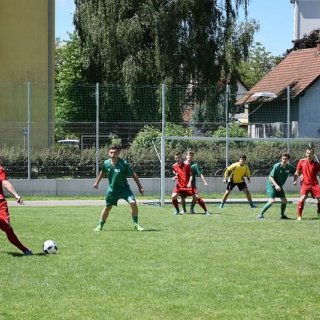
<point>192,211</point>
<point>252,205</point>
<point>98,228</point>
<point>284,217</point>
<point>221,206</point>
<point>138,227</point>
<point>260,217</point>
<point>28,253</point>
<point>175,212</point>
<point>183,211</point>
<point>299,219</point>
<point>207,213</point>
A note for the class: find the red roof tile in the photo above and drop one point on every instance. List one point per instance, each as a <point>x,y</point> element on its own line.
<point>299,69</point>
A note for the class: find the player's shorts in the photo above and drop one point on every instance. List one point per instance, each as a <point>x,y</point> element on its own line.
<point>273,193</point>
<point>240,185</point>
<point>4,211</point>
<point>112,198</point>
<point>185,192</point>
<point>309,188</point>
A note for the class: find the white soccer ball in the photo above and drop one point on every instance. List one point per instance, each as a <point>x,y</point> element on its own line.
<point>50,246</point>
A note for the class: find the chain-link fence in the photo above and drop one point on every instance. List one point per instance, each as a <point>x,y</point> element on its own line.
<point>67,137</point>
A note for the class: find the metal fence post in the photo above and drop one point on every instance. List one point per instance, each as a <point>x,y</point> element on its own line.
<point>29,102</point>
<point>97,129</point>
<point>227,124</point>
<point>163,156</point>
<point>288,118</point>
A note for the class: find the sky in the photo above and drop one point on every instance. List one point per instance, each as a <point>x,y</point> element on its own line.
<point>274,16</point>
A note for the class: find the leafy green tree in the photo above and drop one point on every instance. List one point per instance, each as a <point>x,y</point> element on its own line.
<point>259,62</point>
<point>176,42</point>
<point>307,41</point>
<point>68,75</point>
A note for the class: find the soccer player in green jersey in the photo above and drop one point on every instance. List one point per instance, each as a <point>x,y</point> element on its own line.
<point>117,170</point>
<point>277,178</point>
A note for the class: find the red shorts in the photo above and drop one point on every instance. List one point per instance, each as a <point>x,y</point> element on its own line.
<point>309,188</point>
<point>185,192</point>
<point>4,211</point>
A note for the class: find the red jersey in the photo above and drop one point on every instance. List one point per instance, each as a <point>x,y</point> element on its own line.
<point>183,172</point>
<point>3,176</point>
<point>309,170</point>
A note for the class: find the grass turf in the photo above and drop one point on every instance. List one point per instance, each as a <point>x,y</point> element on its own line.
<point>228,266</point>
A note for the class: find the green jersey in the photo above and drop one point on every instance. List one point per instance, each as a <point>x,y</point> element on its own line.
<point>196,171</point>
<point>280,174</point>
<point>117,175</point>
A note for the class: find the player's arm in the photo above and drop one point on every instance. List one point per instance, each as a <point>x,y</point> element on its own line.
<point>96,183</point>
<point>276,186</point>
<point>248,173</point>
<point>296,175</point>
<point>228,172</point>
<point>137,181</point>
<point>9,187</point>
<point>203,180</point>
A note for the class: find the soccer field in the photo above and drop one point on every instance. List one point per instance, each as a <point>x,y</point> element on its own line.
<point>228,266</point>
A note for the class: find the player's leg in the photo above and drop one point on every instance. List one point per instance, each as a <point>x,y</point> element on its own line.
<point>103,217</point>
<point>300,206</point>
<point>248,195</point>
<point>5,226</point>
<point>199,200</point>
<point>135,215</point>
<point>12,237</point>
<point>283,208</point>
<point>193,203</point>
<point>266,207</point>
<point>174,200</point>
<point>183,204</point>
<point>229,188</point>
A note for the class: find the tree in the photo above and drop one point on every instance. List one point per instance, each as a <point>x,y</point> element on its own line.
<point>176,42</point>
<point>308,41</point>
<point>259,62</point>
<point>68,75</point>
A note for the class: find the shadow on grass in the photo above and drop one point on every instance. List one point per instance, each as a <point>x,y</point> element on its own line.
<point>19,254</point>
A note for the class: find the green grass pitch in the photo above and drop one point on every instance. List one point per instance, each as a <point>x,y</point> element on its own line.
<point>228,266</point>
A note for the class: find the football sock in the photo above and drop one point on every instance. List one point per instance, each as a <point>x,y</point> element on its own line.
<point>175,204</point>
<point>101,223</point>
<point>265,208</point>
<point>202,204</point>
<point>12,236</point>
<point>318,211</point>
<point>300,206</point>
<point>283,208</point>
<point>135,219</point>
<point>193,203</point>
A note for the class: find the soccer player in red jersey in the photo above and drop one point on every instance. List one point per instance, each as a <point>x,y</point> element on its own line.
<point>184,187</point>
<point>5,225</point>
<point>309,169</point>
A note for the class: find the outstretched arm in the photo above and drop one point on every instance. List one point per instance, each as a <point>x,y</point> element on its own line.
<point>96,183</point>
<point>137,181</point>
<point>203,180</point>
<point>9,187</point>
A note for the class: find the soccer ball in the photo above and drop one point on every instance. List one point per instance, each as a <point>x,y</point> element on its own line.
<point>50,246</point>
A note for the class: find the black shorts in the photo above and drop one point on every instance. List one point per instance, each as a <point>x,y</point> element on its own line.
<point>240,185</point>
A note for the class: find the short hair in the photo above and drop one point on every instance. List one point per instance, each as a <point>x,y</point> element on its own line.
<point>114,147</point>
<point>285,154</point>
<point>310,149</point>
<point>177,154</point>
<point>191,153</point>
<point>243,157</point>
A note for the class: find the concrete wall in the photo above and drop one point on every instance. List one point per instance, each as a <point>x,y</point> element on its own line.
<point>151,186</point>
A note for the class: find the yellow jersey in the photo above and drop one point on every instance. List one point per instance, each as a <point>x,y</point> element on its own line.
<point>237,172</point>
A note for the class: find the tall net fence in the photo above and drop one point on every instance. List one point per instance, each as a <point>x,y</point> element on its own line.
<point>64,131</point>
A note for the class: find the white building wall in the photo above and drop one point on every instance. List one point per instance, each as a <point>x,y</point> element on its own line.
<point>306,17</point>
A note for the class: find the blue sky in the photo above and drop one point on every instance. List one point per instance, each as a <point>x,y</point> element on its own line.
<point>274,16</point>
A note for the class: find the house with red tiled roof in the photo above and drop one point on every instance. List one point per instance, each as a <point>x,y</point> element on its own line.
<point>290,93</point>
